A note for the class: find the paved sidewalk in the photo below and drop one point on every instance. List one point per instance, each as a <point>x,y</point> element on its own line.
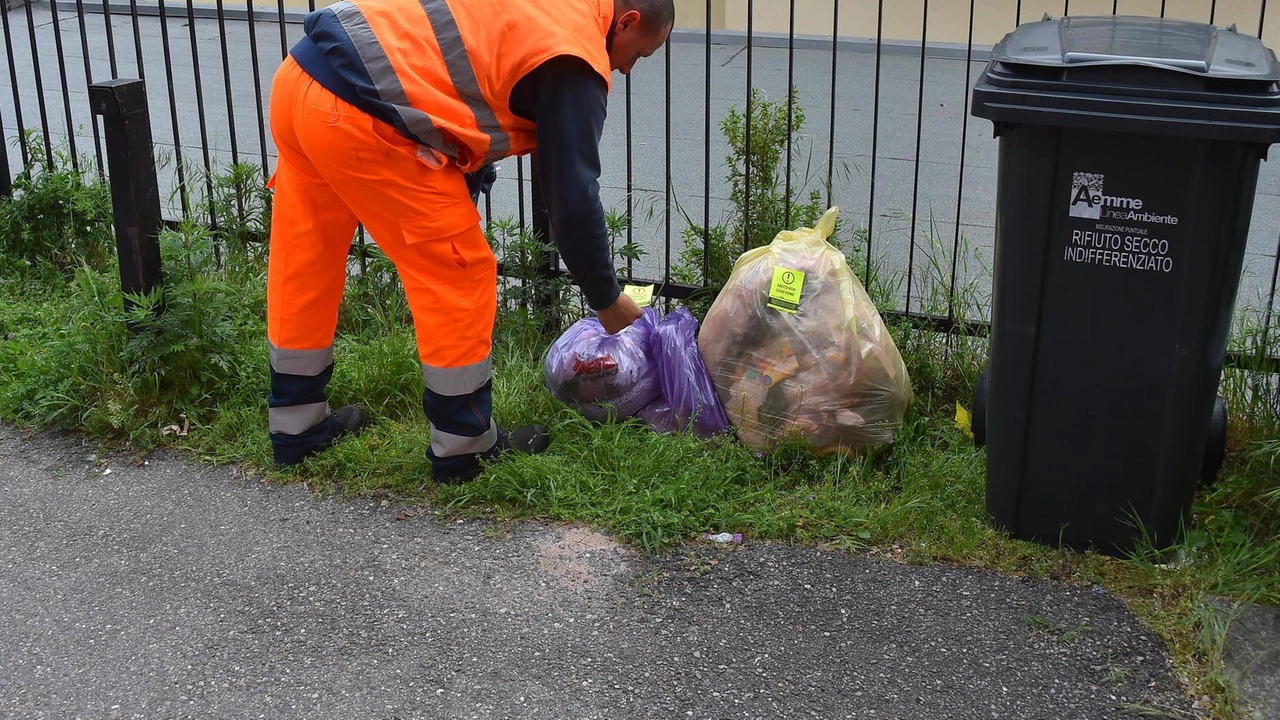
<point>174,590</point>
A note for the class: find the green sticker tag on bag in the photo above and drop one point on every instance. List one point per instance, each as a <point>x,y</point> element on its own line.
<point>784,293</point>
<point>642,294</point>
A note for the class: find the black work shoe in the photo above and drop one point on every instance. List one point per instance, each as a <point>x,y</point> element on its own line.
<point>293,449</point>
<point>347,420</point>
<point>526,440</point>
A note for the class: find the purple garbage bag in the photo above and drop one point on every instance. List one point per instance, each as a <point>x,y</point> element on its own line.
<point>599,374</point>
<point>687,393</point>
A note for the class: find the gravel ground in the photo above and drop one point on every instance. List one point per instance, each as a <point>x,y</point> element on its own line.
<point>175,590</point>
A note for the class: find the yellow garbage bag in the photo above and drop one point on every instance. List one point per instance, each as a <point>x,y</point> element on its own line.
<point>795,347</point>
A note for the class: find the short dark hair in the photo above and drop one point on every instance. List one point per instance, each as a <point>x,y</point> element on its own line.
<point>654,14</point>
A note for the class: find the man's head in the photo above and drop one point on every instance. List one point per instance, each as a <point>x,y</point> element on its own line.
<point>640,27</point>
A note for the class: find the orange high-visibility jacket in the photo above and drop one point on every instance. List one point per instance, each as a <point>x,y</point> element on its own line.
<point>442,71</point>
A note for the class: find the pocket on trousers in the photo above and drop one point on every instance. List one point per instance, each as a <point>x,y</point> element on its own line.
<point>450,245</point>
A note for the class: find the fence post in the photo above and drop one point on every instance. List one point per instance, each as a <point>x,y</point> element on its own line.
<point>135,194</point>
<point>546,300</point>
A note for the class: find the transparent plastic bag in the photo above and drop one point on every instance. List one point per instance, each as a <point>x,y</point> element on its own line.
<point>804,355</point>
<point>600,375</point>
<point>688,400</point>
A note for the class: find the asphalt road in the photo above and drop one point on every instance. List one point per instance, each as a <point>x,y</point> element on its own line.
<point>173,590</point>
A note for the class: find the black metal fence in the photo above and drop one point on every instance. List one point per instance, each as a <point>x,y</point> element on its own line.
<point>878,123</point>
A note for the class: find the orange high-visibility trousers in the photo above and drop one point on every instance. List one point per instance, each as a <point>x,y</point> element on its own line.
<point>337,167</point>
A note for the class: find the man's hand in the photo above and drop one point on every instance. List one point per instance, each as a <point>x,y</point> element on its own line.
<point>619,316</point>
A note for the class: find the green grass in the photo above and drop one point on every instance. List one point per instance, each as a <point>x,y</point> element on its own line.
<point>64,363</point>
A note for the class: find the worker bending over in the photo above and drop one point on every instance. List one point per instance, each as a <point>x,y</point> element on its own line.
<point>380,113</point>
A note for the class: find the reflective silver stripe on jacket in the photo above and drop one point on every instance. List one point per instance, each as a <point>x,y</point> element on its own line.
<point>445,444</point>
<point>298,418</point>
<point>463,76</point>
<point>453,382</point>
<point>300,362</point>
<point>384,77</point>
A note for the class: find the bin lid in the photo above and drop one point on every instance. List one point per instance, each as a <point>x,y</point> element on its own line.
<point>1130,74</point>
<point>1163,43</point>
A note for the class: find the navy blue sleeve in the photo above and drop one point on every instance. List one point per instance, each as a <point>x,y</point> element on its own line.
<point>568,101</point>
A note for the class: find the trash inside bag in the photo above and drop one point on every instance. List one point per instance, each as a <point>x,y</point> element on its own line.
<point>602,375</point>
<point>688,400</point>
<point>795,347</point>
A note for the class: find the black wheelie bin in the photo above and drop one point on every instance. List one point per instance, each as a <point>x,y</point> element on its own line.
<point>1129,151</point>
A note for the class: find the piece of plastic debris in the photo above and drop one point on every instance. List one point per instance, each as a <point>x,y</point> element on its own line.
<point>723,537</point>
<point>107,471</point>
<point>175,430</point>
<point>964,420</point>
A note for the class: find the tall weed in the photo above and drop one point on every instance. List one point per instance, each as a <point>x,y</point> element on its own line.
<point>758,195</point>
<point>58,218</point>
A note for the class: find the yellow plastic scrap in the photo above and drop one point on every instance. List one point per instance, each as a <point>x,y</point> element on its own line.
<point>964,420</point>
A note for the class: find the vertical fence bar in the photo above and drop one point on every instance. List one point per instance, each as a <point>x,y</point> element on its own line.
<point>135,194</point>
<point>62,76</point>
<point>111,37</point>
<point>706,162</point>
<point>666,273</point>
<point>791,111</point>
<point>1213,11</point>
<point>360,229</point>
<point>630,185</point>
<point>1066,7</point>
<point>35,65</point>
<point>179,160</point>
<point>1017,18</point>
<point>1163,3</point>
<point>226,78</point>
<point>284,38</point>
<point>364,255</point>
<point>1115,7</point>
<point>964,145</point>
<point>1271,297</point>
<point>204,129</point>
<point>746,156</point>
<point>220,10</point>
<point>257,83</point>
<point>88,79</point>
<point>137,38</point>
<point>546,263</point>
<point>1275,268</point>
<point>875,138</point>
<point>831,146</point>
<point>13,85</point>
<point>520,190</point>
<point>915,190</point>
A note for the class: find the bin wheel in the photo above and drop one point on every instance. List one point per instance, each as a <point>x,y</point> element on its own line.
<point>1216,447</point>
<point>979,419</point>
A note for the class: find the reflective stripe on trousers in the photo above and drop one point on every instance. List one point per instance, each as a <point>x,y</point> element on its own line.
<point>459,403</point>
<point>297,409</point>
